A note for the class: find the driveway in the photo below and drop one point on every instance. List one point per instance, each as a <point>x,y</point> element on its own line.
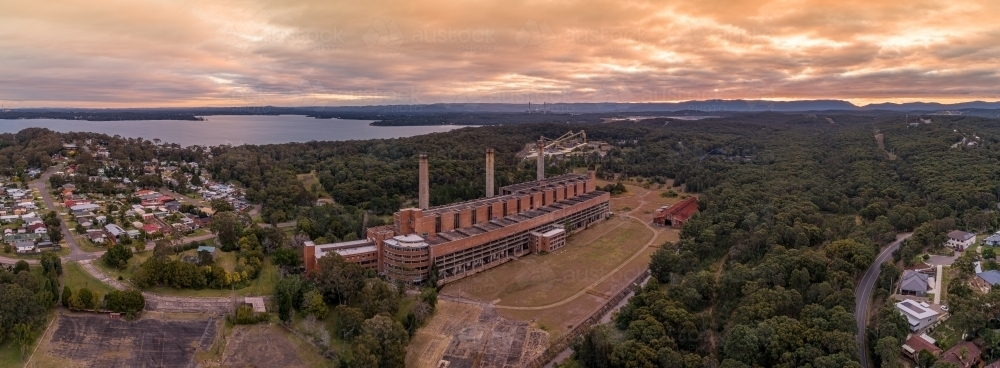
<point>942,260</point>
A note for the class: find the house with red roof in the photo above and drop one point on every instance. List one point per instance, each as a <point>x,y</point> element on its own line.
<point>151,228</point>
<point>675,216</point>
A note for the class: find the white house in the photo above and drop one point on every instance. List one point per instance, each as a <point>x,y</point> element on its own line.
<point>917,315</point>
<point>84,208</point>
<point>992,240</point>
<point>960,240</point>
<point>24,246</point>
<point>115,230</point>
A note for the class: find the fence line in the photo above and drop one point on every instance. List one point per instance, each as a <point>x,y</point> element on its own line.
<point>564,341</point>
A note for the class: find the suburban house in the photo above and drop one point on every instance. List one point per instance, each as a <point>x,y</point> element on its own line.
<point>24,246</point>
<point>960,240</point>
<point>965,354</point>
<point>986,281</point>
<point>992,240</point>
<point>96,236</point>
<point>81,208</point>
<point>917,315</point>
<point>151,228</point>
<point>115,230</point>
<point>917,343</point>
<point>914,283</point>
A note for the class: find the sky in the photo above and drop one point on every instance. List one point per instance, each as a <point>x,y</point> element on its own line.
<point>159,53</point>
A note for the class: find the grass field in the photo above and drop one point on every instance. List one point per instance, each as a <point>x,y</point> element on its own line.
<point>537,280</point>
<point>76,278</point>
<point>311,183</point>
<point>88,246</point>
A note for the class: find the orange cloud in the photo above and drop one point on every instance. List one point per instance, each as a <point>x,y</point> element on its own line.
<point>119,53</point>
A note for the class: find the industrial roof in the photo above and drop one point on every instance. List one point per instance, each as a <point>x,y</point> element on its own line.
<point>497,224</point>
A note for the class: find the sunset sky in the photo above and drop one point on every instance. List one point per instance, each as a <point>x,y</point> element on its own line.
<point>152,53</point>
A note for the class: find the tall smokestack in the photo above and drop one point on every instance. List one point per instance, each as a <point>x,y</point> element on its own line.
<point>541,159</point>
<point>424,187</point>
<point>489,172</point>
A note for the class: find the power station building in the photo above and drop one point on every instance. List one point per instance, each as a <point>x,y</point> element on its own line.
<point>461,239</point>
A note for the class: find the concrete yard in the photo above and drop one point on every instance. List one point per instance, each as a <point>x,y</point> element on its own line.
<point>95,340</point>
<point>474,335</point>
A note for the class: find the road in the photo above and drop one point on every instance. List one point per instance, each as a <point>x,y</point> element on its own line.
<point>863,293</point>
<point>41,185</point>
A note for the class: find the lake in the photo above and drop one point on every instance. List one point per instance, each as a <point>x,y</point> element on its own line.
<point>232,129</point>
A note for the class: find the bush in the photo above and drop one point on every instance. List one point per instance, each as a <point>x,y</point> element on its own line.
<point>313,304</point>
<point>130,302</point>
<point>20,266</point>
<point>246,316</point>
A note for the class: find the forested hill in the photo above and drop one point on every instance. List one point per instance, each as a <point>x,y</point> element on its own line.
<point>764,275</point>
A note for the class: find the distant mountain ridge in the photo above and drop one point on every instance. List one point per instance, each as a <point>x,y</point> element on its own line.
<point>623,108</point>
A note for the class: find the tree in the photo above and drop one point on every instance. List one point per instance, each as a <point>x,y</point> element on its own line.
<point>221,205</point>
<point>989,253</point>
<point>130,302</point>
<point>286,292</point>
<point>349,321</point>
<point>23,336</point>
<point>887,349</point>
<point>141,247</point>
<point>66,294</point>
<point>229,229</point>
<point>117,256</point>
<point>21,265</point>
<point>337,279</point>
<point>742,344</point>
<point>312,303</point>
<point>286,257</point>
<point>384,338</point>
<point>51,264</point>
<point>86,298</point>
<point>926,359</point>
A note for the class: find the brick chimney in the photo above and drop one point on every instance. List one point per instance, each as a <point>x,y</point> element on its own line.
<point>541,159</point>
<point>489,173</point>
<point>424,186</point>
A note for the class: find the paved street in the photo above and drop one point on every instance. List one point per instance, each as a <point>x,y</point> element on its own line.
<point>41,184</point>
<point>863,293</point>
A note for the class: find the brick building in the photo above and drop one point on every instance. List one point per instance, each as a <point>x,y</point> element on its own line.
<point>464,238</point>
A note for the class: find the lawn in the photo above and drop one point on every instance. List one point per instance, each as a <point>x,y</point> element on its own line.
<point>536,280</point>
<point>88,246</point>
<point>76,278</point>
<point>946,335</point>
<point>10,354</point>
<point>64,251</point>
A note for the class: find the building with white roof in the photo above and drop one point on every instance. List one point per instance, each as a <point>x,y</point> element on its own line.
<point>917,315</point>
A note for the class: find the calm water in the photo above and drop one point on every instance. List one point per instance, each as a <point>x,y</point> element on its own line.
<point>231,129</point>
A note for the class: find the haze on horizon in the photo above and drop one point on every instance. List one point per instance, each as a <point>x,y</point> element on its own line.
<point>153,53</point>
